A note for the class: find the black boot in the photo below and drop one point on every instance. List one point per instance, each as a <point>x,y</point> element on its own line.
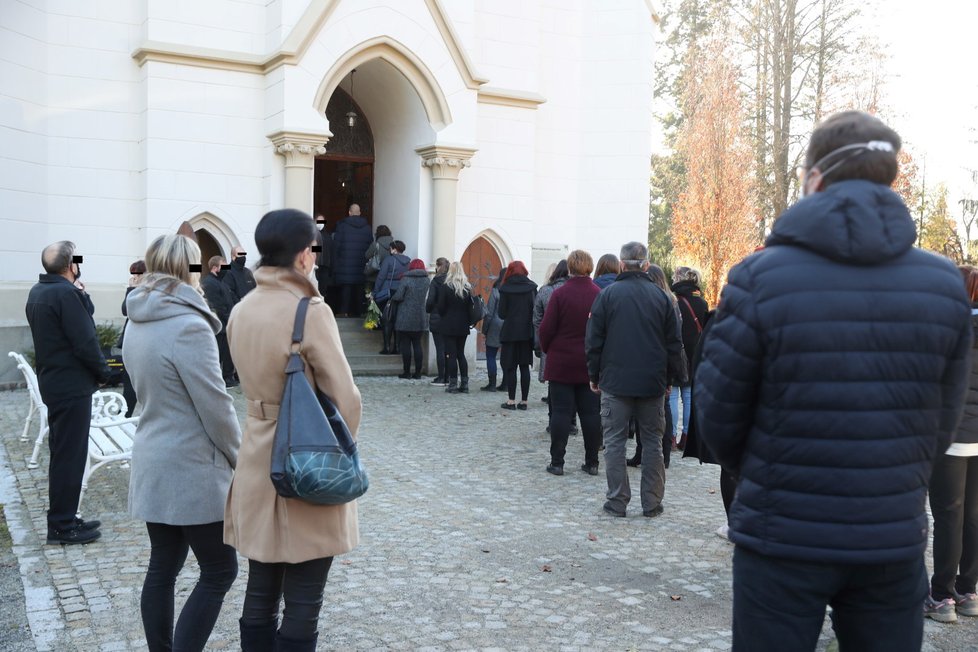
<point>452,385</point>
<point>491,387</point>
<point>501,387</point>
<point>463,386</point>
<point>283,644</point>
<point>257,638</point>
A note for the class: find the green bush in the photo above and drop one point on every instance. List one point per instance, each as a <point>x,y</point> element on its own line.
<point>107,333</point>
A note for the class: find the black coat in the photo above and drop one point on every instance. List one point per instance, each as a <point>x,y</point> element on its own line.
<point>633,342</point>
<point>694,442</point>
<point>219,296</point>
<point>454,312</point>
<point>324,260</point>
<point>68,357</point>
<point>431,302</point>
<point>351,240</point>
<point>516,296</point>
<point>834,373</point>
<point>693,321</point>
<point>239,279</point>
<point>968,430</point>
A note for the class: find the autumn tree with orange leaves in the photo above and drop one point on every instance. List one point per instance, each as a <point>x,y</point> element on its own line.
<point>714,222</point>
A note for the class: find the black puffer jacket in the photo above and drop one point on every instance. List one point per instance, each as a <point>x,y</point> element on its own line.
<point>516,296</point>
<point>834,374</point>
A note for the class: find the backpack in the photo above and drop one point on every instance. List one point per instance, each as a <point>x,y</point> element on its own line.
<point>477,309</point>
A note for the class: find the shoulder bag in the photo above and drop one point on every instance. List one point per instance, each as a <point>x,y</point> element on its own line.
<point>314,457</point>
<point>477,308</point>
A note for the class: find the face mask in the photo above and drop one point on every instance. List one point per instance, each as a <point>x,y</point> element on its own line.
<point>77,271</point>
<point>855,148</point>
<point>242,259</point>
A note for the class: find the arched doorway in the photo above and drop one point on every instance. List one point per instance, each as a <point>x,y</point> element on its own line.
<point>481,263</point>
<point>208,247</point>
<point>344,175</point>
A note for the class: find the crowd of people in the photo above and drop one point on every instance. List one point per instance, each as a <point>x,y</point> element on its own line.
<point>829,384</point>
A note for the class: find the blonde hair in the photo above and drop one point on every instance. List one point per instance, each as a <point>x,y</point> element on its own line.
<point>457,280</point>
<point>168,261</point>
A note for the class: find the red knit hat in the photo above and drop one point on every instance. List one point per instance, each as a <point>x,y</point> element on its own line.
<point>417,263</point>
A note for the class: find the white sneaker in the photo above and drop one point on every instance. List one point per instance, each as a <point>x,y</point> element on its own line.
<point>723,532</point>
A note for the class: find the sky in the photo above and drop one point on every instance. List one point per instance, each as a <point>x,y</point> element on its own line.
<point>932,87</point>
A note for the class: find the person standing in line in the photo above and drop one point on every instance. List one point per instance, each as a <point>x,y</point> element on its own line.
<point>633,346</point>
<point>491,327</point>
<point>324,258</point>
<point>377,253</point>
<point>562,333</point>
<point>221,301</point>
<point>454,300</point>
<point>352,239</point>
<point>136,271</point>
<point>831,404</point>
<point>434,320</point>
<point>516,297</point>
<point>70,367</point>
<point>412,320</point>
<point>606,271</point>
<point>954,501</point>
<point>692,309</point>
<point>385,285</point>
<point>555,279</point>
<point>185,447</point>
<point>290,544</point>
<point>238,277</point>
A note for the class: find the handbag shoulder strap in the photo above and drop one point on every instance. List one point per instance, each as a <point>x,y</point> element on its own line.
<point>699,329</point>
<point>298,329</point>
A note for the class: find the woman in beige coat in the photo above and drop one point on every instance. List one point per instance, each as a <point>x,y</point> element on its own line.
<point>290,544</point>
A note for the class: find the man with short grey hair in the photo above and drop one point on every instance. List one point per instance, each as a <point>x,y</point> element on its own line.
<point>633,345</point>
<point>70,367</point>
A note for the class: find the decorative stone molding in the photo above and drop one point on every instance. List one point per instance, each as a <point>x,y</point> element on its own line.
<point>299,149</point>
<point>509,97</point>
<point>445,161</point>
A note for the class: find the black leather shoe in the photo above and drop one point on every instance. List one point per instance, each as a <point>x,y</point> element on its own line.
<point>416,376</point>
<point>87,525</point>
<point>652,513</point>
<point>521,405</point>
<point>404,376</point>
<point>508,406</point>
<point>590,470</point>
<point>608,509</point>
<point>556,470</point>
<point>71,536</point>
<point>634,461</point>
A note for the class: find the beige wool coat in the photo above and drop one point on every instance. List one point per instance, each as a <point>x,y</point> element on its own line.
<point>258,522</point>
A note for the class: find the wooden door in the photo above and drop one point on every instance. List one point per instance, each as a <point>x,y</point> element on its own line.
<point>481,263</point>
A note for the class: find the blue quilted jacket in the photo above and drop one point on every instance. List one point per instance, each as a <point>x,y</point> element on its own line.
<point>835,372</point>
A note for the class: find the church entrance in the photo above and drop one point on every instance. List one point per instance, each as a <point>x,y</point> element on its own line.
<point>481,263</point>
<point>344,175</point>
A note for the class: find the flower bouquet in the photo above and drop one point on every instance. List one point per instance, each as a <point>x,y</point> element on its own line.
<point>372,320</point>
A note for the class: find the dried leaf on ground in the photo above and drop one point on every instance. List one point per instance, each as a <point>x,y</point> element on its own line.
<point>591,537</point>
<point>546,568</point>
<point>675,598</point>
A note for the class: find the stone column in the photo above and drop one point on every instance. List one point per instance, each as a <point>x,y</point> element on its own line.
<point>445,163</point>
<point>299,150</point>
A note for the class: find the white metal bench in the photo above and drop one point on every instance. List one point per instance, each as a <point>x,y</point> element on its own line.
<point>37,407</point>
<point>110,436</point>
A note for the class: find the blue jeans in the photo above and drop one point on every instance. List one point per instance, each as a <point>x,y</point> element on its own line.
<point>491,352</point>
<point>674,406</point>
<point>779,604</point>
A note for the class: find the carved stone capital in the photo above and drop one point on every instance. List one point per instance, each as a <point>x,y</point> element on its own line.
<point>299,149</point>
<point>445,161</point>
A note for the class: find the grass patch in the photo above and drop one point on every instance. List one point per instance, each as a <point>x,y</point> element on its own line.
<point>6,543</point>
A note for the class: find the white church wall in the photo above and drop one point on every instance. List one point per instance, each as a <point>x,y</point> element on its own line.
<point>237,25</point>
<point>506,38</point>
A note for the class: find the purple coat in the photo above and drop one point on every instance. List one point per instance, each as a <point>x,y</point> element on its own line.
<point>563,328</point>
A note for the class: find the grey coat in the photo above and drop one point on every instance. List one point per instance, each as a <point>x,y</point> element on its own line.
<point>539,308</point>
<point>411,294</point>
<point>186,444</point>
<point>492,324</point>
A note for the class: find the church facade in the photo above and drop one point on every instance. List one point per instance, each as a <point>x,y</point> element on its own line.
<point>480,130</point>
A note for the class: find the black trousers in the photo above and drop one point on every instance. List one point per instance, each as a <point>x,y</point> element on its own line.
<point>457,365</point>
<point>440,357</point>
<point>779,604</point>
<point>351,299</point>
<point>566,401</point>
<point>509,375</point>
<point>728,488</point>
<point>302,587</point>
<point>218,567</point>
<point>954,504</point>
<point>410,341</point>
<point>224,354</point>
<point>68,421</point>
<point>128,392</point>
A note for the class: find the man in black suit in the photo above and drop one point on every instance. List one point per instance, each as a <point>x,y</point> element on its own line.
<point>221,300</point>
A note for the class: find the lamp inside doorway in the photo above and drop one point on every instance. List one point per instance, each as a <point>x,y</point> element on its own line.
<point>351,115</point>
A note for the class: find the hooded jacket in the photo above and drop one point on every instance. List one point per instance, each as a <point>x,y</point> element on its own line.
<point>351,240</point>
<point>516,297</point>
<point>188,436</point>
<point>69,360</point>
<point>411,295</point>
<point>692,312</point>
<point>239,278</point>
<point>834,374</point>
<point>389,277</point>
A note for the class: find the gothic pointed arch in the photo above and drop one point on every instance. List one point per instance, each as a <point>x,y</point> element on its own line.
<point>401,58</point>
<point>216,227</point>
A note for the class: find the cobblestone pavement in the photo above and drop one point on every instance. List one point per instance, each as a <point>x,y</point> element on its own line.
<point>467,543</point>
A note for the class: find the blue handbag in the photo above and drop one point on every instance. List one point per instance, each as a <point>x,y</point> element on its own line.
<point>314,457</point>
